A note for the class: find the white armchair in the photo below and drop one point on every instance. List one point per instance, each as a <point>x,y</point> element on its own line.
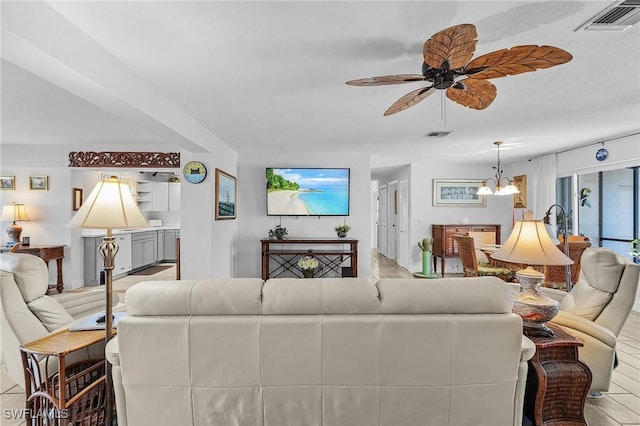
<point>27,313</point>
<point>597,308</point>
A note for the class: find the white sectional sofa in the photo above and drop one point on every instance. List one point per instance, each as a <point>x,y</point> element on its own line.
<point>320,352</point>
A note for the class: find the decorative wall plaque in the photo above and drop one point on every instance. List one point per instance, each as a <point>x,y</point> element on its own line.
<point>123,159</point>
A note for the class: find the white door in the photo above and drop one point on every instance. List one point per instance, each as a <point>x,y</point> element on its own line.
<point>382,220</point>
<point>403,224</point>
<point>392,220</point>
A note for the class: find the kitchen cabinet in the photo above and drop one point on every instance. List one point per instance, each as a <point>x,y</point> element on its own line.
<point>167,239</point>
<point>158,196</point>
<point>174,196</point>
<point>94,264</point>
<point>170,239</point>
<point>145,195</point>
<point>144,249</point>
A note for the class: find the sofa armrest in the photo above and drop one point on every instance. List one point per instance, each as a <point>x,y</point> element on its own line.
<point>527,350</point>
<point>585,326</point>
<point>112,351</point>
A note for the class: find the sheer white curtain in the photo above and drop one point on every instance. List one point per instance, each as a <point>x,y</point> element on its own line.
<point>543,185</point>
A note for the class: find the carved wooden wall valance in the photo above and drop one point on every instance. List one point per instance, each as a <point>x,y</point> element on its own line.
<point>124,159</point>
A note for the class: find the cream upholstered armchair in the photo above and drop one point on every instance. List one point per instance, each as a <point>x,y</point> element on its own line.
<point>596,309</point>
<point>28,314</point>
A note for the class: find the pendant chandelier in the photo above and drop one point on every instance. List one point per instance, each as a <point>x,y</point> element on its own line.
<point>498,179</point>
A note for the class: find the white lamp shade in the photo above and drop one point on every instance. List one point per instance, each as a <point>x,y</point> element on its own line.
<point>109,206</point>
<point>13,213</point>
<point>484,190</point>
<point>510,189</point>
<point>530,244</point>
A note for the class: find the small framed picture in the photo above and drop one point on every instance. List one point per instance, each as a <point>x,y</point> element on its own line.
<point>457,193</point>
<point>77,199</point>
<point>39,183</point>
<point>7,182</point>
<point>225,195</point>
<point>26,241</point>
<point>520,200</point>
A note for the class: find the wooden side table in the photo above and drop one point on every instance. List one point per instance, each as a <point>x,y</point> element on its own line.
<point>557,382</point>
<point>48,253</point>
<point>72,394</point>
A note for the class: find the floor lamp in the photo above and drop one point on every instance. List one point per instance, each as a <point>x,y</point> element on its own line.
<point>547,220</point>
<point>109,206</point>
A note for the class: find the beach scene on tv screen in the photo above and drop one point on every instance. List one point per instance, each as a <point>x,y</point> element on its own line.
<point>308,192</point>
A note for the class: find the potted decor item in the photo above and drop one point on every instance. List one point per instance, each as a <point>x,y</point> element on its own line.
<point>425,246</point>
<point>308,265</point>
<point>342,230</point>
<point>278,233</point>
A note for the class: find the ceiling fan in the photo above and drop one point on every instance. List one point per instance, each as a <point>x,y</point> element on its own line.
<point>446,65</point>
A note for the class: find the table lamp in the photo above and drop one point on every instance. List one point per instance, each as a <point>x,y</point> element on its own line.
<point>109,206</point>
<point>14,212</point>
<point>530,244</point>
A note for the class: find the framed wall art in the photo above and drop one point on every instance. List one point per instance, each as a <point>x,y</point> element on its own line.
<point>39,183</point>
<point>77,199</point>
<point>520,200</point>
<point>7,182</point>
<point>457,193</point>
<point>226,186</point>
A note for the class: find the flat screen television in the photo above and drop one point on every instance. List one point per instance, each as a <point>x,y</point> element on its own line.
<point>307,192</point>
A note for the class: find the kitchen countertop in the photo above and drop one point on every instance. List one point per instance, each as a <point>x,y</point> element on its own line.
<point>101,232</point>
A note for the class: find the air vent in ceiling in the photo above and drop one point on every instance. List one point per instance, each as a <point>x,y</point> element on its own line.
<point>436,134</point>
<point>617,17</point>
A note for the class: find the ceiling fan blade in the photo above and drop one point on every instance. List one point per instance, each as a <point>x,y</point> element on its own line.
<point>517,60</point>
<point>451,48</point>
<point>387,79</point>
<point>409,100</point>
<point>475,94</point>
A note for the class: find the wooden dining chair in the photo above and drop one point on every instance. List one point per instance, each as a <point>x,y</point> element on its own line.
<point>470,265</point>
<point>554,275</point>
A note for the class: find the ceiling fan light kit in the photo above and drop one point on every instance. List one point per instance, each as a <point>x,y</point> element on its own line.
<point>448,65</point>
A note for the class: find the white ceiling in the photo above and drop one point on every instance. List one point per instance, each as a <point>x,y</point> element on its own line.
<point>270,76</point>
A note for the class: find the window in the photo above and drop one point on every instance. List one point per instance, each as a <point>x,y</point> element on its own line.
<point>608,207</point>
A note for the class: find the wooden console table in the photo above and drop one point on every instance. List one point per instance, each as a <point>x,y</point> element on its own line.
<point>48,253</point>
<point>280,257</point>
<point>72,394</point>
<point>444,246</point>
<point>557,382</point>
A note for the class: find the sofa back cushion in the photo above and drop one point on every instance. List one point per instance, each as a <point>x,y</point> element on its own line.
<point>292,296</point>
<point>449,295</point>
<point>221,296</point>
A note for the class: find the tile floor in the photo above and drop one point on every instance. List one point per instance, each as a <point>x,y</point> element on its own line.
<point>620,406</point>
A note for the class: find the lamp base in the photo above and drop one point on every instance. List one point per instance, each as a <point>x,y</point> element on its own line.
<point>536,330</point>
<point>14,231</point>
<point>534,307</point>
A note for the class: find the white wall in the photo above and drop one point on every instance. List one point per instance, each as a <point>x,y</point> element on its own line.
<point>623,152</point>
<point>254,224</point>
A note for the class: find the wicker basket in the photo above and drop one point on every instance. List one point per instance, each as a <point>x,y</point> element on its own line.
<point>85,392</point>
